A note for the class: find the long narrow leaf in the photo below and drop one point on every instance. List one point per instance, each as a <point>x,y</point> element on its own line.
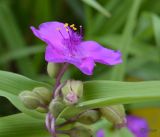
<point>21,125</point>
<point>119,71</point>
<point>97,6</point>
<point>13,38</point>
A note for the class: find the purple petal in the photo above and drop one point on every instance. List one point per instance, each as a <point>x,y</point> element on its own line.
<point>101,54</point>
<point>54,55</point>
<point>86,65</point>
<point>48,33</point>
<point>100,133</point>
<point>137,126</point>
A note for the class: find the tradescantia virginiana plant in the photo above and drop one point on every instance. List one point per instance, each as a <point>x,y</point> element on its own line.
<point>72,107</point>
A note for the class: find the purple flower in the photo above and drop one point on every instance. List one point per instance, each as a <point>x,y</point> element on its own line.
<point>137,126</point>
<point>64,44</point>
<point>100,133</point>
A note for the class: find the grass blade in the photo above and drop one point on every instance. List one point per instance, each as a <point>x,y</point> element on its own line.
<point>14,38</point>
<point>118,72</point>
<point>98,7</point>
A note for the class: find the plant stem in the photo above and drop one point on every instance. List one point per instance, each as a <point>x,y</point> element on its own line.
<point>58,89</point>
<point>69,121</point>
<point>59,76</point>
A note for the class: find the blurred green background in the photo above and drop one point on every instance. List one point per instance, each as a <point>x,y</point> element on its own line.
<point>131,26</point>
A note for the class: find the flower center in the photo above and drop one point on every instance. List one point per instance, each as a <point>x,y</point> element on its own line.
<point>74,38</point>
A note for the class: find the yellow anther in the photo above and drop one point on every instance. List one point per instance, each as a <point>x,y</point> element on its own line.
<point>72,26</point>
<point>66,25</point>
<point>58,28</point>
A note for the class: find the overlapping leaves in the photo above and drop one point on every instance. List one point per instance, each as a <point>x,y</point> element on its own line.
<point>96,94</point>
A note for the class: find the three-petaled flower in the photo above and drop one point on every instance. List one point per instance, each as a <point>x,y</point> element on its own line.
<point>64,44</point>
<point>138,126</point>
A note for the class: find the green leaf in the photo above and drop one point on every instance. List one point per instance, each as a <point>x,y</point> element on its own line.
<point>13,38</point>
<point>147,71</point>
<point>21,125</point>
<point>156,27</point>
<point>104,93</point>
<point>20,53</point>
<point>97,6</point>
<point>14,99</point>
<point>112,92</point>
<point>76,8</point>
<point>118,72</point>
<point>144,28</point>
<point>12,84</point>
<point>99,19</point>
<point>115,23</point>
<point>45,14</point>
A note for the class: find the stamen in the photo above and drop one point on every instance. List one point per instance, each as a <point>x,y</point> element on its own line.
<point>58,29</point>
<point>71,42</point>
<point>66,25</point>
<point>61,34</point>
<point>69,36</point>
<point>81,30</point>
<point>72,26</point>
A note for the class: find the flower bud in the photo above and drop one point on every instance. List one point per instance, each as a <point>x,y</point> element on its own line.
<point>29,99</point>
<point>43,94</point>
<point>41,109</point>
<point>56,106</point>
<point>80,131</point>
<point>71,98</point>
<point>115,114</point>
<point>89,117</point>
<point>52,69</point>
<point>72,91</point>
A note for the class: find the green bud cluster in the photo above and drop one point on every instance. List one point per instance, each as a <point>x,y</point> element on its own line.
<point>71,92</point>
<point>38,98</point>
